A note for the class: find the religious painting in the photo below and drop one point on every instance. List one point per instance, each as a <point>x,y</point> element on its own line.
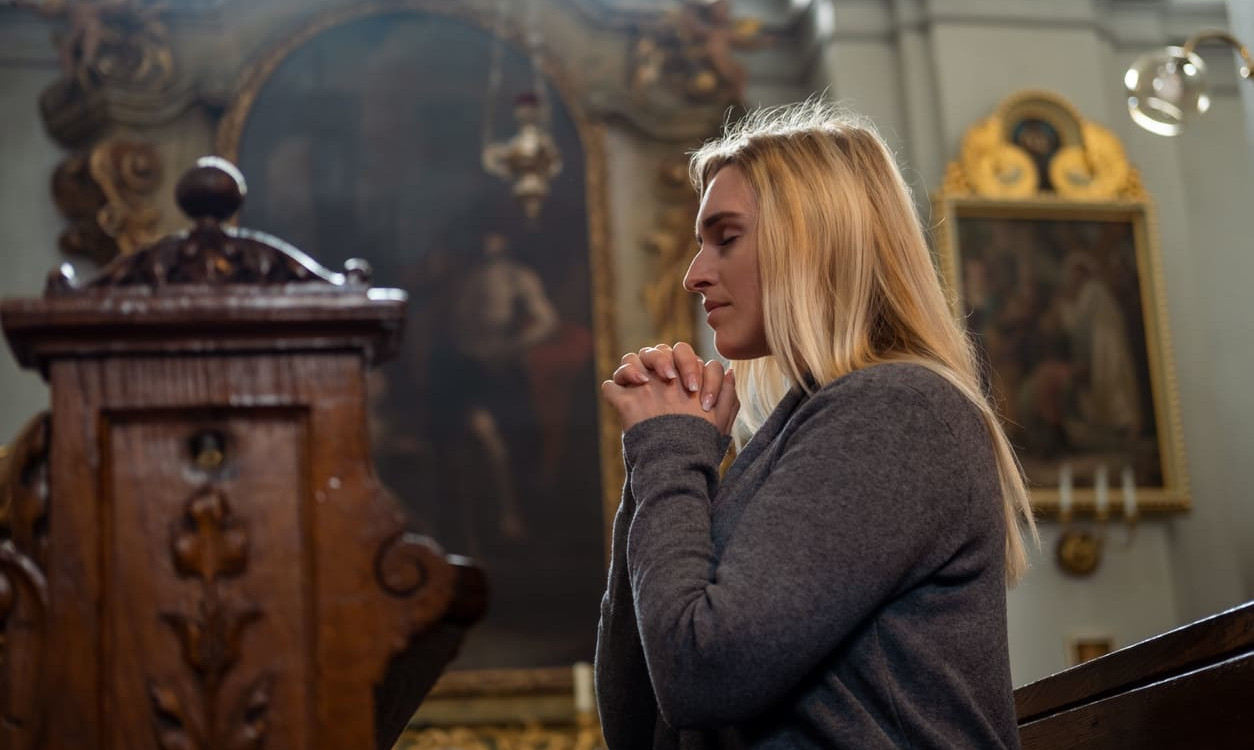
<point>1065,306</point>
<point>363,138</point>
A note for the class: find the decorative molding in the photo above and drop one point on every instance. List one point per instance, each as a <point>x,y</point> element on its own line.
<point>584,735</point>
<point>210,254</point>
<point>670,305</point>
<point>106,193</point>
<point>211,544</point>
<point>110,42</point>
<point>1013,154</point>
<point>687,53</point>
<point>23,633</point>
<point>400,567</point>
<point>24,490</point>
<point>23,587</point>
<point>117,66</point>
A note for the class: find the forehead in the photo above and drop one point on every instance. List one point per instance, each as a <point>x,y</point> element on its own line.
<point>729,191</point>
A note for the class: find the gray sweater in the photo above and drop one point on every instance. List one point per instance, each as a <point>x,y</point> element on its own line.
<point>842,586</point>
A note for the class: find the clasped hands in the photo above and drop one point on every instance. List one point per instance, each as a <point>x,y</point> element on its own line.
<point>661,380</point>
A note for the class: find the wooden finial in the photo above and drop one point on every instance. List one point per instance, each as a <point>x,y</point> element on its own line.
<point>213,189</point>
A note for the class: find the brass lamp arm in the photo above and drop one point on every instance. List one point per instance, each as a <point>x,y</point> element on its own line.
<point>1223,36</point>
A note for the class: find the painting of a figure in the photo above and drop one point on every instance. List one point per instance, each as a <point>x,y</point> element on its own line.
<point>366,142</point>
<point>1056,309</point>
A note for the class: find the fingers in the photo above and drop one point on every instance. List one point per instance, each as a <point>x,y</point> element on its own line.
<point>680,362</point>
<point>689,366</point>
<point>711,383</point>
<point>660,360</point>
<point>630,372</point>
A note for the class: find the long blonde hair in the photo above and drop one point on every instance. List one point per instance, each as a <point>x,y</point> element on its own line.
<point>847,279</point>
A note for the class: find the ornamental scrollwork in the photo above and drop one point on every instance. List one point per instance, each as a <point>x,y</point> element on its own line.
<point>110,42</point>
<point>1036,144</point>
<point>670,305</point>
<point>583,735</point>
<point>690,51</point>
<point>210,544</point>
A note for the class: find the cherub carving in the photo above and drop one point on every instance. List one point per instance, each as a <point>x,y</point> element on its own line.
<point>693,48</point>
<point>107,39</point>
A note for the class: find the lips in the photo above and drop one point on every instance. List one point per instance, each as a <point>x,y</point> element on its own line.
<point>711,306</point>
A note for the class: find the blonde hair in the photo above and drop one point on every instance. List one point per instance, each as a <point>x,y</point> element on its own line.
<point>847,279</point>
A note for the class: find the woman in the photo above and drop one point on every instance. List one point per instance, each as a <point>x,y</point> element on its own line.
<point>843,586</point>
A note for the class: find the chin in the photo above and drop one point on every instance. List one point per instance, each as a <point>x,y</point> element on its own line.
<point>739,350</point>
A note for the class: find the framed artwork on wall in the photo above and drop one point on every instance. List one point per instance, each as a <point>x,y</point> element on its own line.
<point>361,136</point>
<point>1048,246</point>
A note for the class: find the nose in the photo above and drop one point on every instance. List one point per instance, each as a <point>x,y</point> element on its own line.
<point>700,274</point>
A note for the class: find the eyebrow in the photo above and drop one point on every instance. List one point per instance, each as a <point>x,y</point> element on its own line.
<point>715,218</point>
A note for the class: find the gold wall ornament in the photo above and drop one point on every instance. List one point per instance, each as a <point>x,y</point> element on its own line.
<point>106,193</point>
<point>525,736</point>
<point>689,51</point>
<point>1037,144</point>
<point>1079,552</point>
<point>670,305</point>
<point>110,42</point>
<point>1098,169</point>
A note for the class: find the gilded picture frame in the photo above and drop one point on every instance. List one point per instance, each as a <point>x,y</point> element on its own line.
<point>1048,246</point>
<point>501,685</point>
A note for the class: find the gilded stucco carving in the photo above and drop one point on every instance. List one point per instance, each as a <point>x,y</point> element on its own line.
<point>1036,143</point>
<point>118,70</point>
<point>670,242</point>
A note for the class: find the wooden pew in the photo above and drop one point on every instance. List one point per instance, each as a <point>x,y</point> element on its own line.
<point>1192,687</point>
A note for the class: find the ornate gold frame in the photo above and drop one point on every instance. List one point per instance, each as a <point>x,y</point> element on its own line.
<point>500,696</point>
<point>995,179</point>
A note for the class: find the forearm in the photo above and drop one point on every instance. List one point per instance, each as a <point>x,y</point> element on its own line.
<point>670,557</point>
<point>625,699</point>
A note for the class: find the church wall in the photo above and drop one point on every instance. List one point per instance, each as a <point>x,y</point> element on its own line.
<point>929,70</point>
<point>29,223</point>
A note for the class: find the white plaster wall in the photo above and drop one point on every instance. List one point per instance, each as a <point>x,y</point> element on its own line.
<point>927,70</point>
<point>29,223</point>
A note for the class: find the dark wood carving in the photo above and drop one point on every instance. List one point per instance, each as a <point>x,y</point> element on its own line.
<point>211,254</point>
<point>210,544</point>
<point>23,588</point>
<point>222,569</point>
<point>1189,687</point>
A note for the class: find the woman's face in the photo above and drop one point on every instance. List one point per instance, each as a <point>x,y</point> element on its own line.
<point>725,271</point>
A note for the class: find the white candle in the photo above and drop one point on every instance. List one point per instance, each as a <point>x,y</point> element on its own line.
<point>1129,494</point>
<point>1064,491</point>
<point>1101,492</point>
<point>584,699</point>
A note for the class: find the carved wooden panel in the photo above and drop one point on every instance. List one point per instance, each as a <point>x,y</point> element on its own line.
<point>207,569</point>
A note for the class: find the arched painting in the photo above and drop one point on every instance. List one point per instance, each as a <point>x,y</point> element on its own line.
<point>365,141</point>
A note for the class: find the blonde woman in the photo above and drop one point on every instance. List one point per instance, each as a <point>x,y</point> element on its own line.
<point>843,585</point>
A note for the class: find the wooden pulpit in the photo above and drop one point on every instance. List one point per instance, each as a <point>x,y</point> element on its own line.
<point>195,553</point>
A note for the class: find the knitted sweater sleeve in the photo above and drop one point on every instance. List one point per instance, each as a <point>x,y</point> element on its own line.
<point>864,489</point>
<point>625,699</point>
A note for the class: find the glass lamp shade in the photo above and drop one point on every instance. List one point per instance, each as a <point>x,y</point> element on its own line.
<point>1166,89</point>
